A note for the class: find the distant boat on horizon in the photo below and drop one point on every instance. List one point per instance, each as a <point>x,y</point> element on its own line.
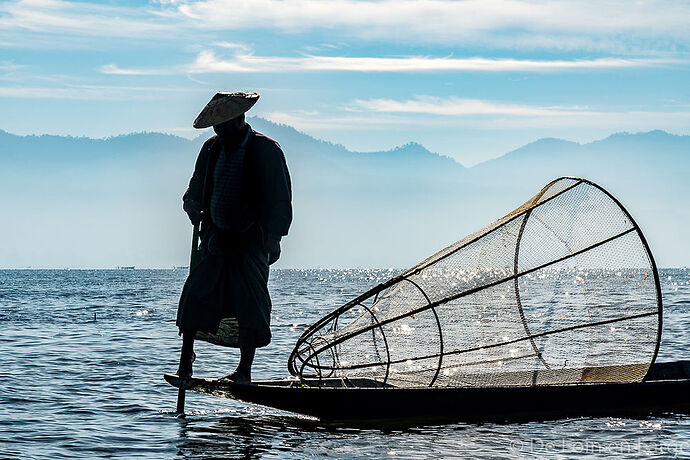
<point>127,267</point>
<point>181,267</point>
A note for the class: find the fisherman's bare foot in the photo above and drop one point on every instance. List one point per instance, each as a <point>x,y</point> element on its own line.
<point>186,361</point>
<point>237,377</point>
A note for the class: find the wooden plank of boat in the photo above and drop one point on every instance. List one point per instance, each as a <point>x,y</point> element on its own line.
<point>341,400</point>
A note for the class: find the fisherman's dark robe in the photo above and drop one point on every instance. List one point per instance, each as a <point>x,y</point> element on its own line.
<point>225,298</point>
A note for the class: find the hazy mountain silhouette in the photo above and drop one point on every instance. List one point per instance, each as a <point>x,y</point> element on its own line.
<point>117,201</point>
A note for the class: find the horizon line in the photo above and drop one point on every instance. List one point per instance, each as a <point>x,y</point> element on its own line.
<point>683,267</point>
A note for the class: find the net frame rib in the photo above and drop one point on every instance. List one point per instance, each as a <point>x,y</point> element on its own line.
<point>333,317</point>
<point>440,332</point>
<point>331,346</point>
<point>516,280</point>
<point>652,262</point>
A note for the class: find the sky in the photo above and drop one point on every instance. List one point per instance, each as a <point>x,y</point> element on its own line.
<point>470,79</point>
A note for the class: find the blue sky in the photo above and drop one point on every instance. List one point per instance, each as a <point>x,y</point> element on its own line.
<point>471,79</point>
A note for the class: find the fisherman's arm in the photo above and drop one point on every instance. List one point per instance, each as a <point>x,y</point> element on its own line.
<point>276,198</point>
<point>191,200</point>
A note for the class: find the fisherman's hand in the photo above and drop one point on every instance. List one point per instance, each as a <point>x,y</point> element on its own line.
<point>193,210</point>
<point>272,248</point>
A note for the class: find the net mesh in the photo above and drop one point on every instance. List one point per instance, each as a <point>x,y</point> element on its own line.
<point>561,290</point>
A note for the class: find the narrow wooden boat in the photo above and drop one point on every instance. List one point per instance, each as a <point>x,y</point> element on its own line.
<point>665,390</point>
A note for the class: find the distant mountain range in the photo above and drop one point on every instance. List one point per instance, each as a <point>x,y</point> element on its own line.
<point>83,202</point>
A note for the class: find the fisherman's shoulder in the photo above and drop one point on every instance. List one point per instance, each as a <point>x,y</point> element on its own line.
<point>264,143</point>
<point>207,147</point>
<point>208,143</point>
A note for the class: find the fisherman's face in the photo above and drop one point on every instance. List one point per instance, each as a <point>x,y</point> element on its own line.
<point>230,129</point>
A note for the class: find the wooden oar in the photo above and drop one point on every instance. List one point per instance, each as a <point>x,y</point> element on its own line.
<point>192,263</point>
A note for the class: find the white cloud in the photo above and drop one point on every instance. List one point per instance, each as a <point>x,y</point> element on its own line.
<point>91,92</point>
<point>242,61</point>
<point>454,106</point>
<point>232,46</point>
<point>566,24</point>
<point>9,66</point>
<point>442,16</point>
<point>208,62</point>
<point>62,17</point>
<point>112,69</point>
<point>613,26</point>
<point>432,112</point>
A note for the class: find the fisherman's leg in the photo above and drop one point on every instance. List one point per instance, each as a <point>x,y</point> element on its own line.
<point>244,368</point>
<point>243,373</point>
<point>187,355</point>
<point>252,308</point>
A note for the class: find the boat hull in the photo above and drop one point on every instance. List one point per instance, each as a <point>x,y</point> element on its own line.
<point>668,391</point>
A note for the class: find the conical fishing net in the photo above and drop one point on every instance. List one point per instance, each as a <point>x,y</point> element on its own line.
<point>562,290</point>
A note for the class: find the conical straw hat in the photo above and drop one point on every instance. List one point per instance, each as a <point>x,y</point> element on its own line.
<point>225,106</point>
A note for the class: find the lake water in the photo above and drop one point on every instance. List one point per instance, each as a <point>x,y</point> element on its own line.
<point>74,387</point>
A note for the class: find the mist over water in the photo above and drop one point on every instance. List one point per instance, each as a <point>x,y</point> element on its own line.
<point>73,386</point>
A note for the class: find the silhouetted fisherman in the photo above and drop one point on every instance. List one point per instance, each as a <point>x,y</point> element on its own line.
<point>241,193</point>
